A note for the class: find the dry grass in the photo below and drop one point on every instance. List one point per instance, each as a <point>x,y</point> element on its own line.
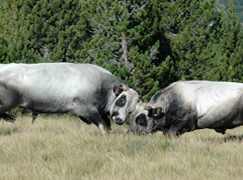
<point>59,148</point>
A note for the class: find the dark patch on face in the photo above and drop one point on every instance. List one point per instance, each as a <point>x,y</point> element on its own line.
<point>121,101</point>
<point>115,114</point>
<point>141,120</point>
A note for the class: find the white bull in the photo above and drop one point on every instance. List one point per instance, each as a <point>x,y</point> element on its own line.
<point>83,90</point>
<point>189,105</point>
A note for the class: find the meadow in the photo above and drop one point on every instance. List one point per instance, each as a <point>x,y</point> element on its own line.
<point>64,148</point>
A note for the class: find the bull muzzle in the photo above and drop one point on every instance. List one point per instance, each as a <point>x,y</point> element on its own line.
<point>118,120</point>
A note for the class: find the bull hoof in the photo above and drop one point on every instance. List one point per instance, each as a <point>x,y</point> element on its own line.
<point>222,131</point>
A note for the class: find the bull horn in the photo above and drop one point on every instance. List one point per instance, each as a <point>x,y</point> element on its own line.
<point>140,102</point>
<point>148,108</point>
<point>147,100</point>
<point>124,88</point>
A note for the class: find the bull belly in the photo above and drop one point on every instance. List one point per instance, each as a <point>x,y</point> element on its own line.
<point>229,120</point>
<point>221,115</point>
<point>46,107</point>
<point>235,123</point>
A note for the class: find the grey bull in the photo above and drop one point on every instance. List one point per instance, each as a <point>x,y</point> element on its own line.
<point>189,105</point>
<point>83,90</point>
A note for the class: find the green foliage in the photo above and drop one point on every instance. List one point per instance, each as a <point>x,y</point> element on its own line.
<point>228,59</point>
<point>40,30</point>
<point>58,28</point>
<point>198,26</point>
<point>14,35</point>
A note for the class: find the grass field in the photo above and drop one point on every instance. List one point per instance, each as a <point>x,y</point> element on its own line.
<point>63,148</point>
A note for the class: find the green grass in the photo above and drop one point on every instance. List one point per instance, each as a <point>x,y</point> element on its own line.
<point>60,147</point>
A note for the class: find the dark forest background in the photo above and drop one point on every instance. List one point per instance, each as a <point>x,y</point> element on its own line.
<point>148,44</point>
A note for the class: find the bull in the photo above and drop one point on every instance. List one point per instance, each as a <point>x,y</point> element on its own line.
<point>186,106</point>
<point>86,91</point>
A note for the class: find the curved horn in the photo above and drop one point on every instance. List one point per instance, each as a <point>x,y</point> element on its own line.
<point>124,88</point>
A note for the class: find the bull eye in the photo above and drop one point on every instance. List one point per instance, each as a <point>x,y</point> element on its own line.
<point>141,120</point>
<point>121,101</point>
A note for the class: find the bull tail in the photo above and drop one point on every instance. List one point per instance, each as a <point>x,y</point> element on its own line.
<point>7,117</point>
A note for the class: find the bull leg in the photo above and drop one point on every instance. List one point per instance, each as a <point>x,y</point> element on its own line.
<point>34,116</point>
<point>7,117</point>
<point>220,130</point>
<point>104,130</point>
<point>177,128</point>
<point>5,106</point>
<point>104,127</point>
<point>8,100</point>
<point>107,120</point>
<point>3,109</point>
<point>102,122</point>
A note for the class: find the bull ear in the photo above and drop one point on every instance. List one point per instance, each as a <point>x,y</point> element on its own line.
<point>149,108</point>
<point>122,87</point>
<point>157,113</point>
<point>117,90</point>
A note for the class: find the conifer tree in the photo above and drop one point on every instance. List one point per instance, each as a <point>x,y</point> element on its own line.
<point>199,25</point>
<point>44,30</point>
<point>129,41</point>
<point>13,33</point>
<point>227,62</point>
<point>153,65</point>
<point>60,27</point>
<point>3,45</point>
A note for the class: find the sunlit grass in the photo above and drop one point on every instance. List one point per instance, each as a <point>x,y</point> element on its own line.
<point>61,147</point>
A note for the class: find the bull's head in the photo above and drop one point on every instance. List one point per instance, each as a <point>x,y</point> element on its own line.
<point>145,119</point>
<point>125,102</point>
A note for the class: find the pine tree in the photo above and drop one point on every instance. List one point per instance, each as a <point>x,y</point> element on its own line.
<point>44,30</point>
<point>111,33</point>
<point>59,29</point>
<point>153,67</point>
<point>198,25</point>
<point>129,41</point>
<point>227,62</point>
<point>13,34</point>
<point>3,45</point>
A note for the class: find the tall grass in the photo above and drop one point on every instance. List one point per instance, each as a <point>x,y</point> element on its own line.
<point>61,147</point>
